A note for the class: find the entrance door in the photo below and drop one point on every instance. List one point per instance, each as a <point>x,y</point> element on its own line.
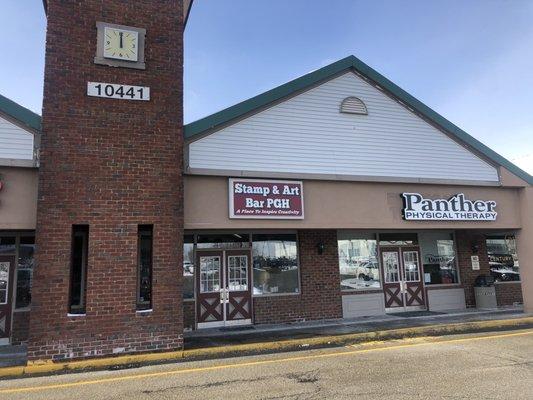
<point>7,272</point>
<point>402,279</point>
<point>223,288</point>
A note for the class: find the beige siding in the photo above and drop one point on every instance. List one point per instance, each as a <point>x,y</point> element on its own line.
<point>15,142</point>
<point>18,198</point>
<point>307,134</point>
<point>346,205</point>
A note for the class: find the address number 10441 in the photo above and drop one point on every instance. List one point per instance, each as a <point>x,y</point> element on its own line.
<point>114,91</point>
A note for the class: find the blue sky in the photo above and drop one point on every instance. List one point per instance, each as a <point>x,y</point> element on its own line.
<point>471,61</point>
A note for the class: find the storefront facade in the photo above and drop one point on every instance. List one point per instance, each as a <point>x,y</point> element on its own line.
<point>19,135</point>
<point>336,195</point>
<point>301,272</point>
<point>396,209</point>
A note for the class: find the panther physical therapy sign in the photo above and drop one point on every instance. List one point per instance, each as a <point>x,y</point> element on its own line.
<point>266,199</point>
<point>457,208</point>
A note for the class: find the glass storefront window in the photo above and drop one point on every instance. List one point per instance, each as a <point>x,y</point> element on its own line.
<point>25,271</point>
<point>438,257</point>
<point>275,264</point>
<point>358,261</point>
<point>7,245</point>
<point>188,267</point>
<point>398,239</point>
<point>219,241</point>
<point>503,258</point>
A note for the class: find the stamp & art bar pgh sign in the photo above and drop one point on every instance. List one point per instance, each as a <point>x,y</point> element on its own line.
<point>266,199</point>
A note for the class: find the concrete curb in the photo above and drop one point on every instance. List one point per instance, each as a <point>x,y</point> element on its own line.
<point>136,360</point>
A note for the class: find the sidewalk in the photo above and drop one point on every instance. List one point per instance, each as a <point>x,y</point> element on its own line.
<point>263,339</point>
<point>265,333</point>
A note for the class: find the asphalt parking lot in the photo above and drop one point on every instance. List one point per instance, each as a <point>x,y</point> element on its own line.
<point>495,365</point>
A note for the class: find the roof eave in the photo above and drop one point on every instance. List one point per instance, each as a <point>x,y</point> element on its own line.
<point>21,114</point>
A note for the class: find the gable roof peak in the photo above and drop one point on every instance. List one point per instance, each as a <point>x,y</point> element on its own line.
<point>300,84</point>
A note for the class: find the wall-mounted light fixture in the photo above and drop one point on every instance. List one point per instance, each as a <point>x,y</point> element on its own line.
<point>320,248</point>
<point>474,247</point>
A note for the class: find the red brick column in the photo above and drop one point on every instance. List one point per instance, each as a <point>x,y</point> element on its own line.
<point>465,242</point>
<point>110,164</point>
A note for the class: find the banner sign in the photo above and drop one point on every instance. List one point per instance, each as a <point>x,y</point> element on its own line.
<point>266,199</point>
<point>456,208</point>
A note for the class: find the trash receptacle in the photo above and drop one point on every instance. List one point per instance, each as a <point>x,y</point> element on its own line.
<point>485,292</point>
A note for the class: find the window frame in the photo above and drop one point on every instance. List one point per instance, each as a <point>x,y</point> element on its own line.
<point>289,232</point>
<point>139,306</point>
<point>502,236</point>
<point>193,298</point>
<point>82,307</point>
<point>358,235</point>
<point>17,235</point>
<point>249,246</point>
<point>429,286</point>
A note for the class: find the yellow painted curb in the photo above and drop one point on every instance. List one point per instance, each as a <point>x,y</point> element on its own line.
<point>48,367</point>
<point>351,338</point>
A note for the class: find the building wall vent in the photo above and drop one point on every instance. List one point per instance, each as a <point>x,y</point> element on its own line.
<point>353,105</point>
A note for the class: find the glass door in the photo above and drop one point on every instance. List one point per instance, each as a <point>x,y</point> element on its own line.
<point>238,295</point>
<point>209,283</point>
<point>402,281</point>
<point>223,282</point>
<point>392,281</point>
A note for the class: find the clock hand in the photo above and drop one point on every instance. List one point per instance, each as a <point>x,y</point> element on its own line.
<point>120,34</point>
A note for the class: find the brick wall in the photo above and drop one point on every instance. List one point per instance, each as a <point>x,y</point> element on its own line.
<point>509,294</point>
<point>189,315</point>
<point>20,327</point>
<point>111,164</point>
<point>506,293</point>
<point>320,296</point>
<point>465,241</point>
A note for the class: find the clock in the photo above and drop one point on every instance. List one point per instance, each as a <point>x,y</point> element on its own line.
<point>120,45</point>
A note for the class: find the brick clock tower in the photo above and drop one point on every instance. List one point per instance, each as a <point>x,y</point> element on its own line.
<point>110,212</point>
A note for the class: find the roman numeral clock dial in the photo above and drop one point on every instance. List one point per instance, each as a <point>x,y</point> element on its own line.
<point>121,44</point>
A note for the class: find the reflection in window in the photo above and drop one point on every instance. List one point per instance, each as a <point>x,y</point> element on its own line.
<point>188,267</point>
<point>358,263</point>
<point>411,270</point>
<point>25,271</point>
<point>391,266</point>
<point>398,239</point>
<point>209,274</point>
<point>219,241</point>
<point>503,258</point>
<point>7,245</point>
<point>4,281</point>
<point>438,257</point>
<point>145,238</point>
<point>275,263</point>
<point>238,273</point>
<point>78,268</point>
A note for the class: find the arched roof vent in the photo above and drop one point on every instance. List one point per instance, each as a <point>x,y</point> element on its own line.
<point>353,105</point>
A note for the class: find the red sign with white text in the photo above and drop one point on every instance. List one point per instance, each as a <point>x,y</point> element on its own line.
<point>256,198</point>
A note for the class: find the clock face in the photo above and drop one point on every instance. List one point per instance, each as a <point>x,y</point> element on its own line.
<point>121,44</point>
